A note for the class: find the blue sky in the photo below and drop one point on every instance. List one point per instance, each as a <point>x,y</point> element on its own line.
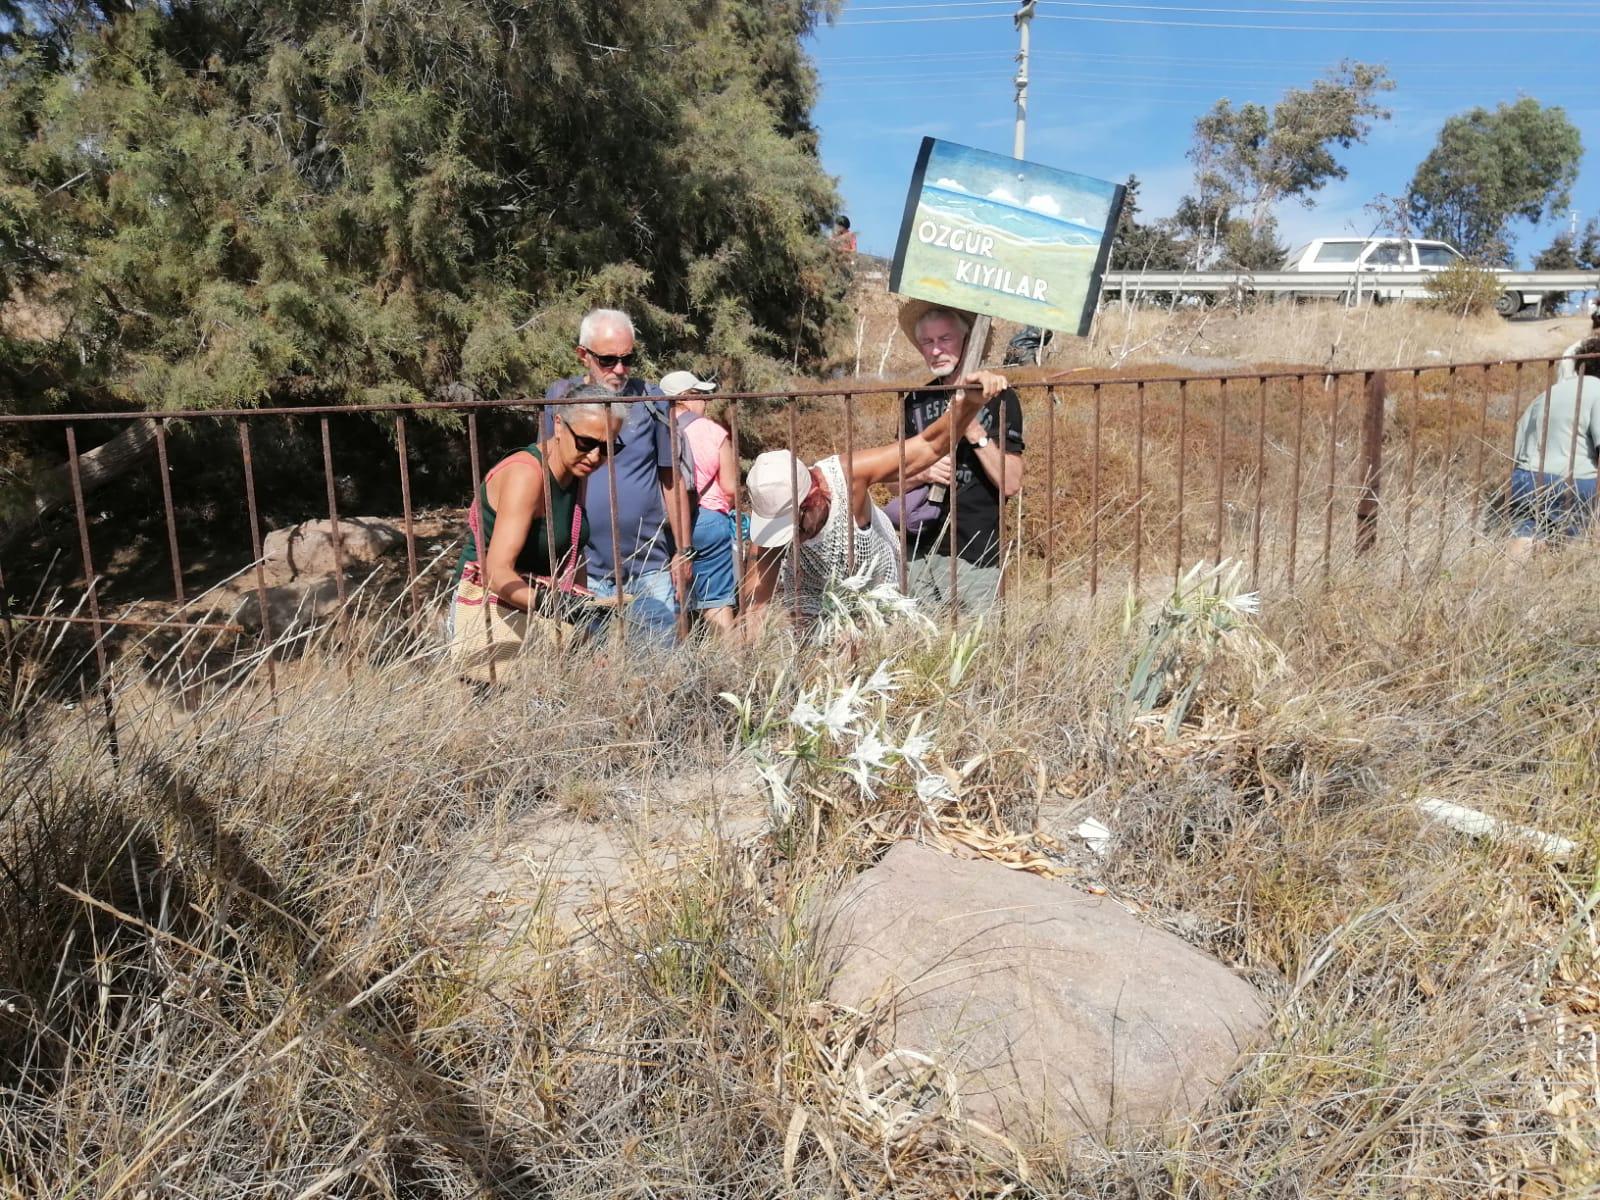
<point>1117,84</point>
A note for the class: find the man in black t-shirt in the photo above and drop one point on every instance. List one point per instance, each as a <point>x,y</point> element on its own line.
<point>984,471</point>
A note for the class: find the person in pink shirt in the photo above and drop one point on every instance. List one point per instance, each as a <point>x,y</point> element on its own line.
<point>716,475</point>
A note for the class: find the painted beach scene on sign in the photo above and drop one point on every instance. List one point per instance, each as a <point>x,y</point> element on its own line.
<point>1013,239</point>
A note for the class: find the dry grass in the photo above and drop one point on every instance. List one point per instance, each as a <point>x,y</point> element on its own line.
<point>1313,334</point>
<point>226,975</point>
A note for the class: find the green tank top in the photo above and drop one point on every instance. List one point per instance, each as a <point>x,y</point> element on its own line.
<point>534,558</point>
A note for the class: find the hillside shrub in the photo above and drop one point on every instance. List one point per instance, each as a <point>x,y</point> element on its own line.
<point>1464,288</point>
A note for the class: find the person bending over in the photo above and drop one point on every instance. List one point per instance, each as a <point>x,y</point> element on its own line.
<point>817,505</point>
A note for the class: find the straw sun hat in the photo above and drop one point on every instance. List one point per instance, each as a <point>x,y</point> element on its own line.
<point>912,311</point>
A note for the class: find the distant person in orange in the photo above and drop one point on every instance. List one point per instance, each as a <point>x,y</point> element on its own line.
<point>844,238</point>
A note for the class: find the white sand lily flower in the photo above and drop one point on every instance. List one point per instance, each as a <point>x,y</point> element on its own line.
<point>881,682</point>
<point>915,748</point>
<point>867,760</point>
<point>934,789</point>
<point>805,715</point>
<point>1246,604</point>
<point>840,717</point>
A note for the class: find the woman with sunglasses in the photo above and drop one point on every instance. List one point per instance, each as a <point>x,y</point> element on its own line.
<point>527,520</point>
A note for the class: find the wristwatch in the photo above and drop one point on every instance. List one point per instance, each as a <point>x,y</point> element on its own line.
<point>982,442</point>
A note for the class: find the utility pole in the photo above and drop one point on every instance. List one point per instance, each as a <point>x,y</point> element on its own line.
<point>1022,18</point>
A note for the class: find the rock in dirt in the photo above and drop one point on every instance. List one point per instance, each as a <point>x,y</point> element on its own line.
<point>573,872</point>
<point>308,548</point>
<point>290,606</point>
<point>1060,1014</point>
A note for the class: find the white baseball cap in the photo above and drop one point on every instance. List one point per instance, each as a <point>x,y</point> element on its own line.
<point>678,382</point>
<point>778,484</point>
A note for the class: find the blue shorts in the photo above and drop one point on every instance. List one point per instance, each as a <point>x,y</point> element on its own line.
<point>653,614</point>
<point>713,560</point>
<point>1547,506</point>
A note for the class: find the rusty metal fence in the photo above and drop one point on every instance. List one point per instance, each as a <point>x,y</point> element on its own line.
<point>1126,480</point>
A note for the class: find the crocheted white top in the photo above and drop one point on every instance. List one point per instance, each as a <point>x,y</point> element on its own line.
<point>827,556</point>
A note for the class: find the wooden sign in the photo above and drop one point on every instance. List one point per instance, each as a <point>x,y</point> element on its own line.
<point>994,235</point>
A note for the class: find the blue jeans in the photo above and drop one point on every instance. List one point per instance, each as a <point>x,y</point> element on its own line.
<point>653,613</point>
<point>1545,505</point>
<point>713,560</point>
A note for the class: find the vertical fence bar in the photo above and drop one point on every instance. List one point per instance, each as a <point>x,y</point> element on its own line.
<point>334,536</point>
<point>255,548</point>
<point>794,503</point>
<point>333,506</point>
<point>1183,459</point>
<point>1414,419</point>
<point>1222,456</point>
<point>619,572</point>
<point>1516,415</point>
<point>1138,485</point>
<point>738,505</point>
<point>680,501</point>
<point>91,582</point>
<point>1050,500</point>
<point>540,411</point>
<point>1447,453</point>
<point>1333,467</point>
<point>1094,498</point>
<point>1294,481</point>
<point>1483,443</point>
<point>953,606</point>
<point>1001,426</point>
<point>13,708</point>
<point>1544,429</point>
<point>1572,448</point>
<point>1371,462</point>
<point>1261,476</point>
<point>171,515</point>
<point>405,508</point>
<point>905,566</point>
<point>850,475</point>
<point>475,464</point>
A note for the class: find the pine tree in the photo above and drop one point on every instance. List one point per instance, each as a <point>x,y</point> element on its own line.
<point>235,202</point>
<point>229,202</point>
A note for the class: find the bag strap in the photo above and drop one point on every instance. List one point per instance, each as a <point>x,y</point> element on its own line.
<point>569,565</point>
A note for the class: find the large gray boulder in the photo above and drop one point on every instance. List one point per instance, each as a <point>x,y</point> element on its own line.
<point>308,548</point>
<point>1059,1014</point>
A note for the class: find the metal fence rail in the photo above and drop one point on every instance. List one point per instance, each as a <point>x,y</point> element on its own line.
<point>1135,478</point>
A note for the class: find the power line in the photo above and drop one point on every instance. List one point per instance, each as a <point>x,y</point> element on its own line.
<point>920,7</point>
<point>1435,30</point>
<point>1170,24</point>
<point>1280,12</point>
<point>1219,82</point>
<point>1185,59</point>
<point>916,20</point>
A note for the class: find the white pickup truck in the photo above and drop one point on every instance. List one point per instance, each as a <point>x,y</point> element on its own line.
<point>1378,257</point>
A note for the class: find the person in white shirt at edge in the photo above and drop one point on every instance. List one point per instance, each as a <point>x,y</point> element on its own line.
<point>832,494</point>
<point>1567,368</point>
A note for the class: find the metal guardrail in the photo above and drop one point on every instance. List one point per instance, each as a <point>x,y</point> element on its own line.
<point>1134,477</point>
<point>1326,283</point>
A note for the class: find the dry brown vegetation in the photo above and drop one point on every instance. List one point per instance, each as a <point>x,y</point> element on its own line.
<point>1312,334</point>
<point>227,974</point>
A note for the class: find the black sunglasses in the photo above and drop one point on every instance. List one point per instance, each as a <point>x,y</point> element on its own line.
<point>588,445</point>
<point>608,361</point>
